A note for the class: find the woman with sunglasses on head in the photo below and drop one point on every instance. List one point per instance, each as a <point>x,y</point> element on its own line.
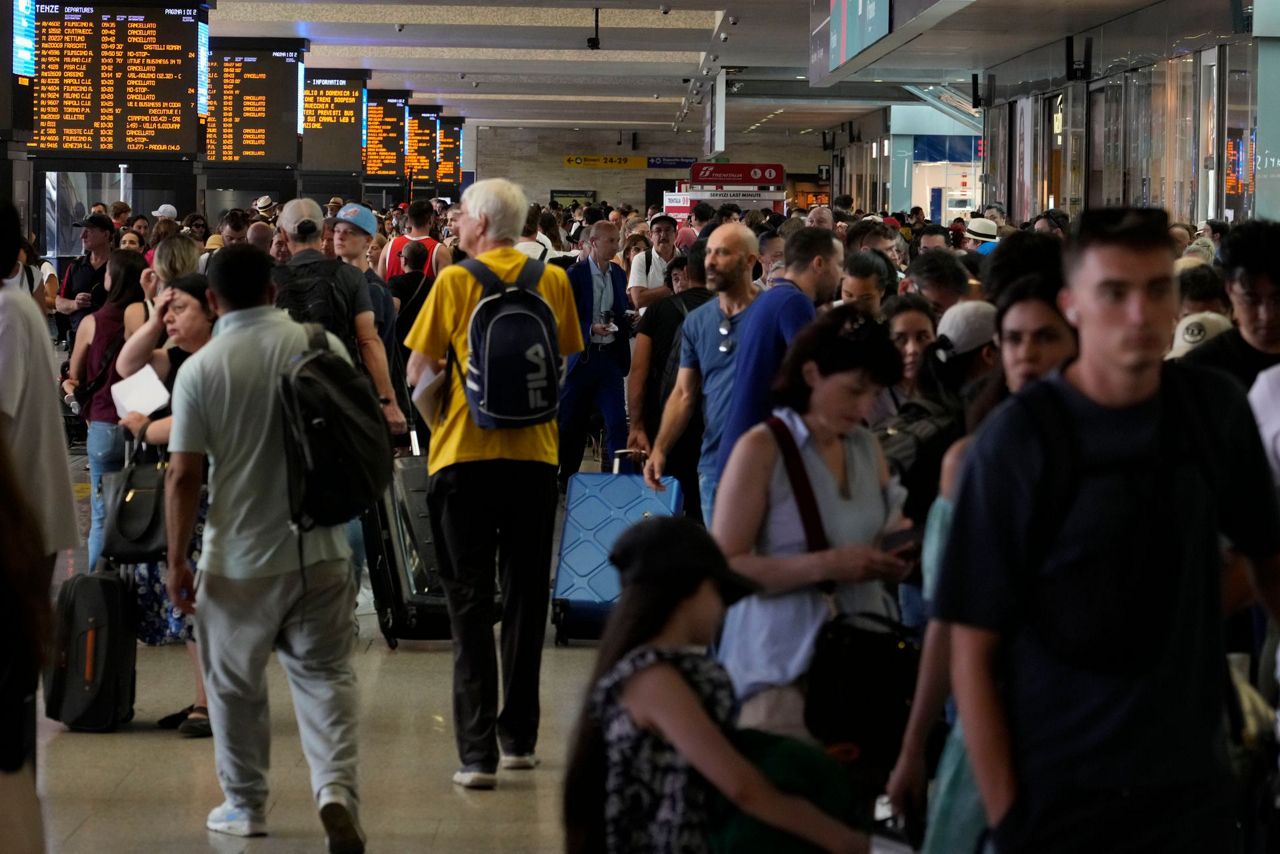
<point>184,317</point>
<point>1034,339</point>
<point>828,382</point>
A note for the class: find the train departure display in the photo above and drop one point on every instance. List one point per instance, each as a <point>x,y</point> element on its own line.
<point>255,105</point>
<point>387,115</point>
<point>332,119</point>
<point>118,78</point>
<point>420,153</point>
<point>449,152</point>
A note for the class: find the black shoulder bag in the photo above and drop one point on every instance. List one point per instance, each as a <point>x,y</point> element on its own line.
<point>134,531</point>
<point>861,681</point>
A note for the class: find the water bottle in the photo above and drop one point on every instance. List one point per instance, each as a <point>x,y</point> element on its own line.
<point>72,404</point>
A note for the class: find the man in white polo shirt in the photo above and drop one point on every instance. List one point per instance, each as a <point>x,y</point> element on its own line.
<point>647,284</point>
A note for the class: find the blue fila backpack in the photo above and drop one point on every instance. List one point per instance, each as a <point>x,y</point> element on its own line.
<point>512,377</point>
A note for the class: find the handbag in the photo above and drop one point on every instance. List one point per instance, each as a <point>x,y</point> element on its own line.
<point>134,531</point>
<point>861,680</point>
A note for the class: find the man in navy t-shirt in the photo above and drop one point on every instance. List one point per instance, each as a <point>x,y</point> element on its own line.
<point>814,260</point>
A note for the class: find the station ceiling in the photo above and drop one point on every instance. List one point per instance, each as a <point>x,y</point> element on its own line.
<point>511,63</point>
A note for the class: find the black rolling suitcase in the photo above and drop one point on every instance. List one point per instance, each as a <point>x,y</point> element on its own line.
<point>407,592</point>
<point>90,680</point>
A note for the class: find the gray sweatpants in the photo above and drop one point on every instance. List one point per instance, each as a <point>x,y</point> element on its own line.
<point>239,623</point>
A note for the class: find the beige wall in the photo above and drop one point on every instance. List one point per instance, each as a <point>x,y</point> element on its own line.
<point>534,158</point>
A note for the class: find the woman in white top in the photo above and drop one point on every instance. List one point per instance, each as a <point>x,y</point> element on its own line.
<point>828,382</point>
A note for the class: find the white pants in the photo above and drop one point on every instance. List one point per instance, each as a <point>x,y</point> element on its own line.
<point>239,623</point>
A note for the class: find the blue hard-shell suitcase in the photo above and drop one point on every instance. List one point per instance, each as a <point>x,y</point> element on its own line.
<point>598,508</point>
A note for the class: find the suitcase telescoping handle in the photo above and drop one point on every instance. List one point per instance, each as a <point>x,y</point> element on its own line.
<point>629,462</point>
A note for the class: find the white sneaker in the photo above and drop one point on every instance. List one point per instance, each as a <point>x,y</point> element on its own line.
<point>519,762</point>
<point>236,821</point>
<point>470,779</point>
<point>341,825</point>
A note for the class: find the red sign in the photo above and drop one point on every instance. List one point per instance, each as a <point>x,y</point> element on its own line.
<point>737,173</point>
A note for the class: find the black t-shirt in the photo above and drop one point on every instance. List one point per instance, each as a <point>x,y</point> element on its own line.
<point>660,322</point>
<point>1231,353</point>
<point>1112,647</point>
<point>411,290</point>
<point>82,278</point>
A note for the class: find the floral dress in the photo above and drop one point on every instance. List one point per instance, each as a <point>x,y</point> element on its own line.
<point>654,801</point>
<point>158,621</point>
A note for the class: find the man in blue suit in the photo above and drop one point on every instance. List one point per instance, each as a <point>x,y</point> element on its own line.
<point>597,374</point>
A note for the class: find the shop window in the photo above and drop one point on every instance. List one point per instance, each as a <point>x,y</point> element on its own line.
<point>1240,132</point>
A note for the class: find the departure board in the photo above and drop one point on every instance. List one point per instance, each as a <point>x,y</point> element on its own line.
<point>420,153</point>
<point>449,152</point>
<point>386,117</point>
<point>119,78</point>
<point>255,105</point>
<point>332,120</point>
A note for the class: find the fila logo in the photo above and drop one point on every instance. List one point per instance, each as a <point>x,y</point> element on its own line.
<point>539,377</point>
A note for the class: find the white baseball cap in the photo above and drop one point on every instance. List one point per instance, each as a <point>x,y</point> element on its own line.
<point>1195,329</point>
<point>966,326</point>
<point>166,211</point>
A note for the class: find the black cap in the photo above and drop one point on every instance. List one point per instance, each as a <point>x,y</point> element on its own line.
<point>677,554</point>
<point>101,221</point>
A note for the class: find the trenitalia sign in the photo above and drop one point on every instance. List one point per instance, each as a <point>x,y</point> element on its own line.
<point>738,173</point>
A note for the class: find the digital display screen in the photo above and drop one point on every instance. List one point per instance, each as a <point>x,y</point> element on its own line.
<point>332,117</point>
<point>24,38</point>
<point>384,150</point>
<point>254,106</point>
<point>115,79</point>
<point>420,153</point>
<point>449,152</point>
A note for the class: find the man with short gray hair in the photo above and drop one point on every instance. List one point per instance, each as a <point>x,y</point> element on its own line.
<point>493,496</point>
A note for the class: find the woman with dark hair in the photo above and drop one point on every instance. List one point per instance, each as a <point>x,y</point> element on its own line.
<point>196,227</point>
<point>183,316</point>
<point>549,228</point>
<point>869,279</point>
<point>129,240</point>
<point>912,327</point>
<point>653,745</point>
<point>140,223</point>
<point>164,228</point>
<point>100,337</point>
<point>828,382</point>
<point>1035,339</point>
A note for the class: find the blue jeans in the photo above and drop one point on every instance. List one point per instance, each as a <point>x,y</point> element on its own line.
<point>105,447</point>
<point>707,485</point>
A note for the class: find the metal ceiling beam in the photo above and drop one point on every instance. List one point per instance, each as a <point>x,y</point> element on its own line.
<point>968,118</point>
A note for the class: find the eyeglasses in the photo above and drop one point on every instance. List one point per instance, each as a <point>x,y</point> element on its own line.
<point>726,326</point>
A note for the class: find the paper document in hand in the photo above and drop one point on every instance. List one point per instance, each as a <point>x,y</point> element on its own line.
<point>143,392</point>
<point>428,395</point>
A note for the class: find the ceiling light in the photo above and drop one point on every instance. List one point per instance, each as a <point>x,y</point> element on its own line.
<point>801,77</point>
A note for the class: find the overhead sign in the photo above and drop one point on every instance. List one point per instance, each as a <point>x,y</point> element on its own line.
<point>256,102</point>
<point>682,203</point>
<point>671,162</point>
<point>737,173</point>
<point>824,172</point>
<point>605,161</point>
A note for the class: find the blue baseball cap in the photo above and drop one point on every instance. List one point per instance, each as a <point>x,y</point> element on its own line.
<point>359,216</point>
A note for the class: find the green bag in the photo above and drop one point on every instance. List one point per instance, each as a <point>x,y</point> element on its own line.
<point>795,768</point>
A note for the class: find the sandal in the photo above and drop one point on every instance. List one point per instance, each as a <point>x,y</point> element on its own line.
<point>194,727</point>
<point>175,720</point>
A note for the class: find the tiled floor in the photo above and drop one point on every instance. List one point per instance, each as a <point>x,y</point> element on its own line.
<point>143,789</point>
<point>146,790</point>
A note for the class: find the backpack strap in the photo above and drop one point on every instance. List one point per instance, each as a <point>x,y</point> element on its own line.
<point>488,279</point>
<point>543,256</point>
<point>316,337</point>
<point>648,264</point>
<point>530,275</point>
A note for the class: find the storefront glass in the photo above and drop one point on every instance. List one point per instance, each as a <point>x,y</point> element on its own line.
<point>995,156</point>
<point>1240,132</point>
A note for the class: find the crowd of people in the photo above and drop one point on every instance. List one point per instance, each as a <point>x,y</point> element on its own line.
<point>1041,462</point>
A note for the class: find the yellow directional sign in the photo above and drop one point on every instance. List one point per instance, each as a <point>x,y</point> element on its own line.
<point>604,161</point>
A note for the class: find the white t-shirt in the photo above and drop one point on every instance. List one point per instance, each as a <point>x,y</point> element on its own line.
<point>1265,399</point>
<point>28,280</point>
<point>30,411</point>
<point>652,277</point>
